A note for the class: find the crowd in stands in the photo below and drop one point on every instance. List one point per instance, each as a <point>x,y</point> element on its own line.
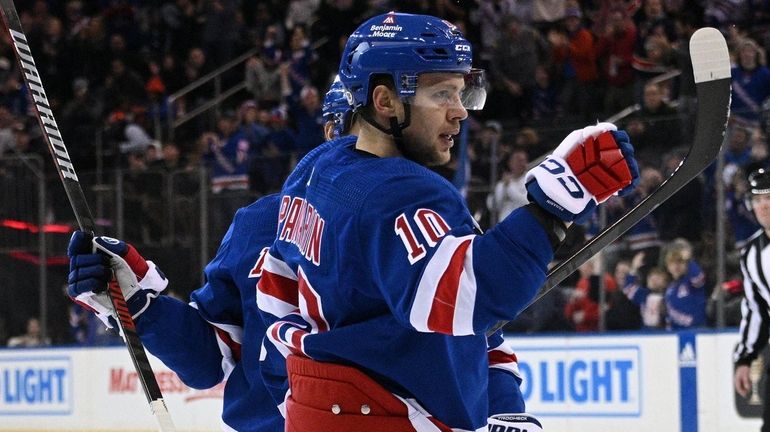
<point>110,66</point>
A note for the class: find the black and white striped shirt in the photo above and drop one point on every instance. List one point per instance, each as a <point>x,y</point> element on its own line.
<point>755,308</point>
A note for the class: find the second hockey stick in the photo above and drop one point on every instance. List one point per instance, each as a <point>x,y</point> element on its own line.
<point>80,207</point>
<point>711,67</point>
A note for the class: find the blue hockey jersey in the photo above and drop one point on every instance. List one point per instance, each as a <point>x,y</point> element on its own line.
<point>379,264</point>
<point>218,335</point>
<point>686,299</point>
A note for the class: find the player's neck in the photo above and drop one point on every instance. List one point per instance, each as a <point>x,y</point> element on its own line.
<point>376,142</point>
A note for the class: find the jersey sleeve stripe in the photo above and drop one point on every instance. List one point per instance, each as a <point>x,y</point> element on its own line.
<point>466,295</point>
<point>288,338</point>
<point>504,359</point>
<point>310,304</point>
<point>447,278</point>
<point>275,295</point>
<point>442,311</point>
<point>272,335</point>
<point>278,267</point>
<point>231,350</point>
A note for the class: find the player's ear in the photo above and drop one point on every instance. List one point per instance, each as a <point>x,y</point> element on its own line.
<point>329,130</point>
<point>384,101</point>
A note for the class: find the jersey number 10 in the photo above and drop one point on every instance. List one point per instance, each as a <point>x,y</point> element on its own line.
<point>431,225</point>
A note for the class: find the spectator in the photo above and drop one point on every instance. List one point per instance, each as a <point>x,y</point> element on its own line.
<point>481,149</point>
<point>263,78</point>
<point>520,50</point>
<point>510,192</point>
<point>685,294</point>
<point>171,73</point>
<point>621,313</point>
<point>545,315</point>
<point>738,151</point>
<point>267,172</point>
<point>574,51</point>
<point>655,128</point>
<point>32,338</point>
<point>81,118</point>
<point>171,159</point>
<point>250,128</point>
<point>227,156</point>
<point>682,214</point>
<point>760,154</point>
<point>220,30</point>
<point>300,12</point>
<point>301,58</point>
<point>687,24</point>
<point>651,18</point>
<point>7,121</point>
<point>25,144</point>
<point>545,98</point>
<point>655,58</point>
<point>307,119</point>
<point>751,83</point>
<point>196,66</point>
<point>489,18</point>
<point>127,133</point>
<point>180,20</point>
<point>583,306</point>
<point>123,87</point>
<point>732,296</point>
<point>615,46</point>
<point>648,297</point>
<point>643,237</point>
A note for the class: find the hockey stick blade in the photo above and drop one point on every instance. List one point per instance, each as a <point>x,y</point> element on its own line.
<point>711,68</point>
<point>80,207</point>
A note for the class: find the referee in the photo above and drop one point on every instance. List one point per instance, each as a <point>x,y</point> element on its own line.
<point>755,265</point>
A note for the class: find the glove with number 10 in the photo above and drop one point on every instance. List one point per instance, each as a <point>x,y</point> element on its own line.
<point>96,262</point>
<point>589,166</point>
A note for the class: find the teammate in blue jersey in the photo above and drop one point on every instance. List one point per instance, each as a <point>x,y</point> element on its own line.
<point>218,335</point>
<point>380,287</point>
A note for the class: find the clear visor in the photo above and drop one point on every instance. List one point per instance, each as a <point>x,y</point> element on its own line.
<point>450,90</point>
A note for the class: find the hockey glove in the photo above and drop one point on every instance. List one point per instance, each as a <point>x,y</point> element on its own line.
<point>514,422</point>
<point>96,262</point>
<point>589,166</point>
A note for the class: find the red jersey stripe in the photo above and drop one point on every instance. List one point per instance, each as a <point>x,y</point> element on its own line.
<point>441,318</point>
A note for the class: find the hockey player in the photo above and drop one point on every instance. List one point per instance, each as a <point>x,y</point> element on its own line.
<point>337,112</point>
<point>379,284</point>
<point>218,335</point>
<point>504,377</point>
<point>755,325</point>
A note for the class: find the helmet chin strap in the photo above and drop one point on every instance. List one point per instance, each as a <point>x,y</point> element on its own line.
<point>395,127</point>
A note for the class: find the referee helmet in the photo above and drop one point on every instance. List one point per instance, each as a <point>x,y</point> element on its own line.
<point>759,184</point>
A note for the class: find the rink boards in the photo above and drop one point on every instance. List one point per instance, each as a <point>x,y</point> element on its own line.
<point>629,382</point>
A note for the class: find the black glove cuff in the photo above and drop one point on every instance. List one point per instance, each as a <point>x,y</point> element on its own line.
<point>553,226</point>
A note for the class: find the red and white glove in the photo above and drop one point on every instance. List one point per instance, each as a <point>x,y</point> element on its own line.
<point>99,261</point>
<point>589,166</point>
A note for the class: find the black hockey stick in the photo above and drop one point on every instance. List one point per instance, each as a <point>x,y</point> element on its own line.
<point>711,67</point>
<point>80,207</point>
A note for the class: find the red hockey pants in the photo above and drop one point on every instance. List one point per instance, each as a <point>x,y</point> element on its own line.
<point>327,397</point>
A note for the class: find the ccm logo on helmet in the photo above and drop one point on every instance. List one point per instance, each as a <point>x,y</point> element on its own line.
<point>463,48</point>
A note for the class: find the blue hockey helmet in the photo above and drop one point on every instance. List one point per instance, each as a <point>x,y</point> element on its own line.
<point>336,108</point>
<point>403,46</point>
